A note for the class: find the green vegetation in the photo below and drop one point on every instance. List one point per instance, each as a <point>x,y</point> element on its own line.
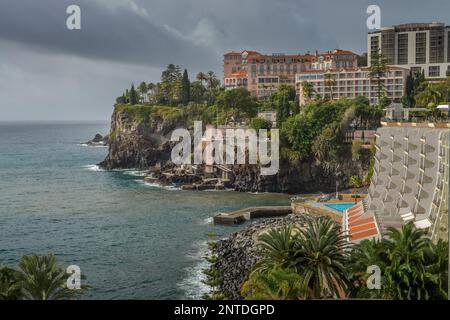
<point>275,284</point>
<point>412,267</point>
<point>377,71</point>
<point>38,278</point>
<point>315,261</point>
<point>355,182</point>
<point>316,253</point>
<point>259,123</point>
<point>214,276</point>
<point>432,94</point>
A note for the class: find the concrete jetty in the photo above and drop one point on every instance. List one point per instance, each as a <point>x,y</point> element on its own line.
<point>240,216</point>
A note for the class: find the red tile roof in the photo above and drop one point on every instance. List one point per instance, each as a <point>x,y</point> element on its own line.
<point>361,225</point>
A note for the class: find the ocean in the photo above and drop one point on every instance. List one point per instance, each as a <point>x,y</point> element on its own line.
<point>130,239</point>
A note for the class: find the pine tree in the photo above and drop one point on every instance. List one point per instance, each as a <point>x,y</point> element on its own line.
<point>377,71</point>
<point>185,88</point>
<point>133,95</point>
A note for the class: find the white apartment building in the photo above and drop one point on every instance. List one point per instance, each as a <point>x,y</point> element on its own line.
<point>351,83</point>
<point>416,46</point>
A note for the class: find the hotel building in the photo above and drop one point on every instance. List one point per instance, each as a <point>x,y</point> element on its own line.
<point>416,46</point>
<point>263,74</point>
<point>352,82</point>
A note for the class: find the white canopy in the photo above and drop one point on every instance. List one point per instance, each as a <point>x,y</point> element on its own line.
<point>443,107</point>
<point>422,224</point>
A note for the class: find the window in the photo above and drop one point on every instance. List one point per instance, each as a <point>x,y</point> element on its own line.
<point>434,71</point>
<point>421,43</point>
<point>402,55</point>
<point>448,46</point>
<point>437,45</point>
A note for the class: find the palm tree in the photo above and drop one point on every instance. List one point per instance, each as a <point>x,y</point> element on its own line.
<point>9,284</point>
<point>329,83</point>
<point>212,80</point>
<point>322,257</point>
<point>308,90</point>
<point>276,284</point>
<point>201,77</point>
<point>42,279</point>
<point>406,275</point>
<point>412,267</point>
<point>279,245</point>
<point>317,252</point>
<point>430,97</point>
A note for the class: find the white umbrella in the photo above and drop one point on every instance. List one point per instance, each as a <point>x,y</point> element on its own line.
<point>443,107</point>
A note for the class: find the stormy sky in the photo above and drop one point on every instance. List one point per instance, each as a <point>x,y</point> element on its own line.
<point>48,72</point>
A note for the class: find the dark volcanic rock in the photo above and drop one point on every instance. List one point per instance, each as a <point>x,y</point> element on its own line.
<point>142,143</point>
<point>138,144</point>
<point>239,253</point>
<point>99,140</point>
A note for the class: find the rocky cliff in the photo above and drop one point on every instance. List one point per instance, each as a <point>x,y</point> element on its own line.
<point>139,138</point>
<point>298,177</point>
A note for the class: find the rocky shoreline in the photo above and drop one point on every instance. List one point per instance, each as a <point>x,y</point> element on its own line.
<point>98,140</point>
<point>143,143</point>
<point>240,252</point>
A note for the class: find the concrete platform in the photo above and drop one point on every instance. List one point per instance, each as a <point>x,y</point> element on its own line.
<point>240,216</point>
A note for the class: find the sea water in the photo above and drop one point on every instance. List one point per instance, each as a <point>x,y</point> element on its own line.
<point>131,240</point>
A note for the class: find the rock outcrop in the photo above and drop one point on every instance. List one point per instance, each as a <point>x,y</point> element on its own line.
<point>99,140</point>
<point>140,139</point>
<point>238,254</point>
<point>298,177</point>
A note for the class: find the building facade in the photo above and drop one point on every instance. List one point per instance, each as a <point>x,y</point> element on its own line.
<point>352,82</point>
<point>416,46</point>
<point>263,74</point>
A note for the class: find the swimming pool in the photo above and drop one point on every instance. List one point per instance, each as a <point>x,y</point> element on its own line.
<point>341,207</point>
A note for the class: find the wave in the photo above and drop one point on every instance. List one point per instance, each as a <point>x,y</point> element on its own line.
<point>157,185</point>
<point>136,173</point>
<point>93,167</point>
<point>193,286</point>
<point>93,145</point>
<point>207,221</point>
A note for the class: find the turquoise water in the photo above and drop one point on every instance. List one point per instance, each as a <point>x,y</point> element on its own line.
<point>341,207</point>
<point>131,240</point>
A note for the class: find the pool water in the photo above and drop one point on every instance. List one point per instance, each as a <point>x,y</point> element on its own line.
<point>341,207</point>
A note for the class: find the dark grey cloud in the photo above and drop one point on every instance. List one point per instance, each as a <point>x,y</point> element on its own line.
<point>111,30</point>
<point>124,41</point>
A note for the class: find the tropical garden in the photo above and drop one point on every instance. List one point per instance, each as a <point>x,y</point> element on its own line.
<point>315,261</point>
<point>37,278</point>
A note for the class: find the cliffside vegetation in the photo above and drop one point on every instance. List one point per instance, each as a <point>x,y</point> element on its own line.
<point>315,138</point>
<point>314,261</point>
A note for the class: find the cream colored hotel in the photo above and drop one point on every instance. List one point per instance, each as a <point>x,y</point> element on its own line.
<point>414,47</point>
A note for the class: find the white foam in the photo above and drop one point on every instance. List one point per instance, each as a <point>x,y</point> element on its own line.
<point>136,173</point>
<point>93,145</point>
<point>207,221</point>
<point>93,167</point>
<point>156,185</point>
<point>193,285</point>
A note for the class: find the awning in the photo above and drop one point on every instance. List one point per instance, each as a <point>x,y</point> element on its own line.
<point>423,224</point>
<point>443,107</point>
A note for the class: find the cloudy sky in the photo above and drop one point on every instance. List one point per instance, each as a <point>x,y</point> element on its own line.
<point>48,72</point>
